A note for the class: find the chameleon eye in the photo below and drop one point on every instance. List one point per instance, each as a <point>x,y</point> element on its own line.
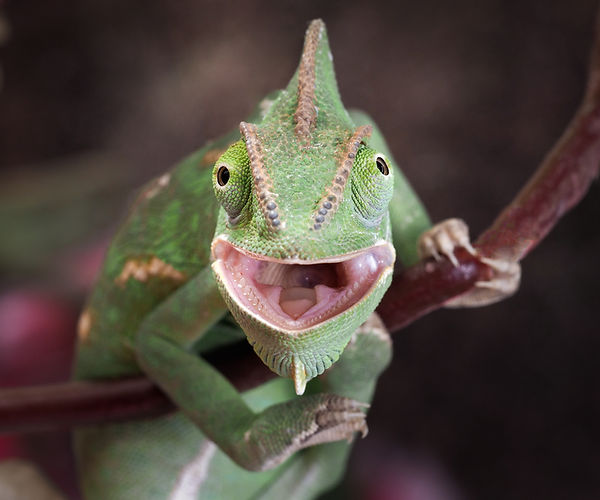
<point>223,175</point>
<point>232,181</point>
<point>372,185</point>
<point>382,166</point>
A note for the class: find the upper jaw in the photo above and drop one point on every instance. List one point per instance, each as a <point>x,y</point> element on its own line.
<point>294,294</point>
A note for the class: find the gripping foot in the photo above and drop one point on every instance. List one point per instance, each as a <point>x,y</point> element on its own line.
<point>442,239</point>
<point>283,429</point>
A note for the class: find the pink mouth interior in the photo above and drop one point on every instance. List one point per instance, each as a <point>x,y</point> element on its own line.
<point>298,295</point>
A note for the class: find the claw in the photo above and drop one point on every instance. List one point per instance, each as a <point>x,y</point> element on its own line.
<point>447,245</point>
<point>469,248</point>
<point>443,238</point>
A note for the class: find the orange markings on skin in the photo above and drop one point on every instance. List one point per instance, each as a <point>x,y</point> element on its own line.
<point>141,270</point>
<point>84,325</point>
<point>158,185</point>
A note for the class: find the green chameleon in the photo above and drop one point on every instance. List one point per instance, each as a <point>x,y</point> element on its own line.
<point>282,228</point>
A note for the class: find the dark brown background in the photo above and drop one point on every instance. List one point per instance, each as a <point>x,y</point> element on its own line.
<point>496,403</point>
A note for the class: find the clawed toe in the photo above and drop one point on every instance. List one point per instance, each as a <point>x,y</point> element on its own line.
<point>339,418</point>
<point>301,423</point>
<point>443,239</point>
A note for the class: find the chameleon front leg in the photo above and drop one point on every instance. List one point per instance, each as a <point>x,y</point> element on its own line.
<point>354,376</point>
<point>260,441</point>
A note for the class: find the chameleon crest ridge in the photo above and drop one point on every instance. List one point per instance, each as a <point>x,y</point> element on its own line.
<point>306,113</point>
<point>263,185</point>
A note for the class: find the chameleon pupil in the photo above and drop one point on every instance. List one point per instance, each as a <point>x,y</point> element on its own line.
<point>223,176</point>
<point>382,166</point>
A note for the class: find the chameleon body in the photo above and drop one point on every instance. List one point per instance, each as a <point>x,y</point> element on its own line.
<point>281,227</point>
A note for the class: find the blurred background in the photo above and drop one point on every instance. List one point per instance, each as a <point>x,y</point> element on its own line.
<point>97,96</point>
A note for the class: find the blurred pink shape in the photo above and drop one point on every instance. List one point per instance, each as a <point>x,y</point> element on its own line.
<point>83,267</point>
<point>10,447</point>
<point>385,474</point>
<point>37,333</point>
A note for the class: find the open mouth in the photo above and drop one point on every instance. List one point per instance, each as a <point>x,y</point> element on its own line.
<point>297,294</point>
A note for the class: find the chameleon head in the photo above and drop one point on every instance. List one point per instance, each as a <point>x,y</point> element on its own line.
<point>302,251</point>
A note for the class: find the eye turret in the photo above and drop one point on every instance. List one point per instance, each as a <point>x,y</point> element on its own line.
<point>372,185</point>
<point>232,180</point>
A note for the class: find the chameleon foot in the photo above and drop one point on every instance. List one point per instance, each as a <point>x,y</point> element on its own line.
<point>304,422</point>
<point>441,241</point>
<point>339,418</point>
<point>505,282</point>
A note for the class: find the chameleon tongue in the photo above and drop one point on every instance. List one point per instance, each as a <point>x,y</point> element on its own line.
<point>295,301</point>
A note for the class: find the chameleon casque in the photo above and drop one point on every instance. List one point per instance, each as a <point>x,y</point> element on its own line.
<point>285,229</point>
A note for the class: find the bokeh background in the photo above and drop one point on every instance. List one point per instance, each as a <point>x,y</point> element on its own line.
<point>97,96</point>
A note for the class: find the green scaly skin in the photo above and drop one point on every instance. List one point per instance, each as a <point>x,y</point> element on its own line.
<point>172,275</point>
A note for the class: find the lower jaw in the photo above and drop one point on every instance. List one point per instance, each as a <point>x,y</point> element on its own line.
<point>316,347</point>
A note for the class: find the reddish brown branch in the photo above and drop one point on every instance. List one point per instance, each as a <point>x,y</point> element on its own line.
<point>55,406</point>
<point>425,287</point>
<point>561,181</point>
<point>64,405</point>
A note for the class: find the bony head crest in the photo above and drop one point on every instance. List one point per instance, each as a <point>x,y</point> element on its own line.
<point>263,185</point>
<point>306,112</point>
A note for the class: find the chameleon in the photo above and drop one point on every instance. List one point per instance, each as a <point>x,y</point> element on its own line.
<point>279,232</point>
